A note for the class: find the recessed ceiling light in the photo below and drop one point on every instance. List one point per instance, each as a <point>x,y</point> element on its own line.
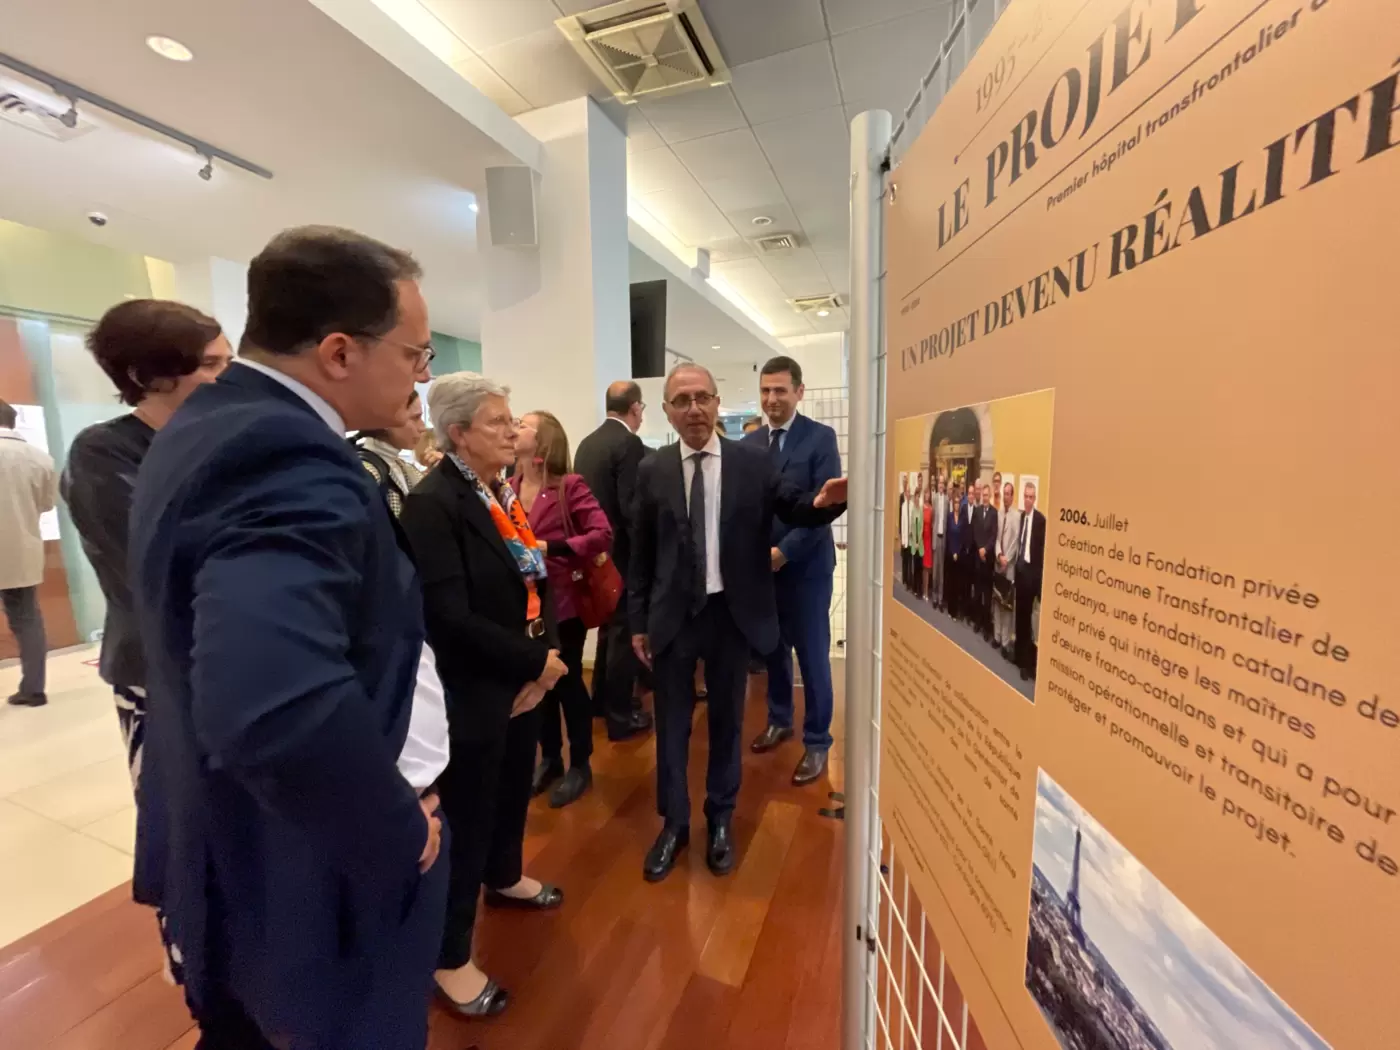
<point>823,313</point>
<point>165,47</point>
<point>762,220</point>
<point>715,347</point>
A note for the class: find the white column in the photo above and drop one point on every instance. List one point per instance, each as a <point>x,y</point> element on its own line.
<point>556,325</point>
<point>217,286</point>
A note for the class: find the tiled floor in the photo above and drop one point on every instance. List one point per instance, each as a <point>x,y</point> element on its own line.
<point>66,816</point>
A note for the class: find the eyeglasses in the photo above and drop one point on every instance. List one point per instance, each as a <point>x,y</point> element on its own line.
<point>682,402</point>
<point>425,354</point>
<point>502,423</point>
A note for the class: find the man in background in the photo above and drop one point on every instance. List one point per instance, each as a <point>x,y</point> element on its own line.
<point>28,490</point>
<point>940,528</point>
<point>903,534</point>
<point>1030,568</point>
<point>1008,550</point>
<point>608,459</point>
<point>751,424</point>
<point>292,862</point>
<point>984,542</point>
<point>807,456</point>
<point>701,588</point>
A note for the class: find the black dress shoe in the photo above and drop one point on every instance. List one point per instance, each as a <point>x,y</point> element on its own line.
<point>546,773</point>
<point>29,700</point>
<point>719,854</point>
<point>812,766</point>
<point>549,898</point>
<point>492,1000</point>
<point>769,739</point>
<point>661,858</point>
<point>638,722</point>
<point>569,790</point>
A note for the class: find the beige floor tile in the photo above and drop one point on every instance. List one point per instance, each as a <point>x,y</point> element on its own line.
<point>47,870</point>
<point>78,798</point>
<point>117,830</point>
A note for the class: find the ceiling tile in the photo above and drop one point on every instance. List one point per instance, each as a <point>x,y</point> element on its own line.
<point>729,250</point>
<point>784,220</point>
<point>837,265</point>
<point>798,272</point>
<point>844,15</point>
<point>783,85</point>
<point>544,68</point>
<point>485,24</point>
<point>882,66</point>
<point>655,170</point>
<point>724,156</point>
<point>490,83</point>
<point>695,114</point>
<point>747,30</point>
<point>756,193</point>
<point>689,214</point>
<point>641,136</point>
<point>816,141</point>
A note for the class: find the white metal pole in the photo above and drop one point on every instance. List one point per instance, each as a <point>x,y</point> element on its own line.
<point>870,140</point>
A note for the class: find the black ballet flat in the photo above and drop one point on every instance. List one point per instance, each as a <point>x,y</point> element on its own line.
<point>491,1002</point>
<point>549,898</point>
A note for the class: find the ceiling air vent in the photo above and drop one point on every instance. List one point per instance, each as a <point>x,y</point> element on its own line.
<point>647,48</point>
<point>813,303</point>
<point>15,109</point>
<point>777,242</point>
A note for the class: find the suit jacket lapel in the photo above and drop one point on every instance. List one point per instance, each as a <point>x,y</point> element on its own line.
<point>675,486</point>
<point>479,518</point>
<point>728,479</point>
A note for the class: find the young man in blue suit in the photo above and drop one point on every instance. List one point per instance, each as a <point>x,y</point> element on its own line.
<point>293,864</point>
<point>804,564</point>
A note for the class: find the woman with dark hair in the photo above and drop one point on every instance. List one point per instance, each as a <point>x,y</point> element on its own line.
<point>565,516</point>
<point>379,452</point>
<point>157,353</point>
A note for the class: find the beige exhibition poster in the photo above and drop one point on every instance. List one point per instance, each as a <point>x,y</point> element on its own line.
<point>1141,730</point>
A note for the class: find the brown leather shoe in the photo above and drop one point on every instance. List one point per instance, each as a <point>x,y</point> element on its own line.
<point>769,739</point>
<point>811,768</point>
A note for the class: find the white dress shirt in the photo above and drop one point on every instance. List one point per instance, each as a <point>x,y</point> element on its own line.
<point>714,579</point>
<point>424,754</point>
<point>1026,542</point>
<point>783,430</point>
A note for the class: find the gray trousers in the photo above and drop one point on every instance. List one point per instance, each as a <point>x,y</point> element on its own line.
<point>27,625</point>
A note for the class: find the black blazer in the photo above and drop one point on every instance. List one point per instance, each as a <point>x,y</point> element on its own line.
<point>474,601</point>
<point>608,460</point>
<point>662,572</point>
<point>1030,573</point>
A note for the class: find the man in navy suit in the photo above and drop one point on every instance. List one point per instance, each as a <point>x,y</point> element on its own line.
<point>292,863</point>
<point>804,563</point>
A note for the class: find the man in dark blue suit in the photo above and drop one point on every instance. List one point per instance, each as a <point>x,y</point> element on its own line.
<point>804,563</point>
<point>292,863</point>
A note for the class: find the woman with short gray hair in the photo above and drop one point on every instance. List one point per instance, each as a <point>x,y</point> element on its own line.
<point>490,620</point>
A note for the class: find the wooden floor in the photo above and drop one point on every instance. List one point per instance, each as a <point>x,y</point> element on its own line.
<point>694,963</point>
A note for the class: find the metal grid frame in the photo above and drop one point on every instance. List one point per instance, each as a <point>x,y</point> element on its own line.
<point>911,999</point>
<point>832,405</point>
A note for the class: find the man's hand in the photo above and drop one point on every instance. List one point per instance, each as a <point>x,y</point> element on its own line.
<point>641,645</point>
<point>982,553</point>
<point>778,558</point>
<point>1001,561</point>
<point>554,669</point>
<point>832,493</point>
<point>531,693</point>
<point>429,804</point>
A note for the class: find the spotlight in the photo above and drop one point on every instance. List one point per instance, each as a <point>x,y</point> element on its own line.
<point>70,119</point>
<point>207,172</point>
<point>823,313</point>
<point>165,47</point>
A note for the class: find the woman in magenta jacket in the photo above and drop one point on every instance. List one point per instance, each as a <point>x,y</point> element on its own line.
<point>565,517</point>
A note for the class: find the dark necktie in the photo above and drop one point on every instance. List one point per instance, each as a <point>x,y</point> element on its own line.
<point>775,438</point>
<point>697,530</point>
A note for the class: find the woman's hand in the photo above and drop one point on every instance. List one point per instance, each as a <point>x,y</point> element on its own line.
<point>554,669</point>
<point>641,645</point>
<point>531,693</point>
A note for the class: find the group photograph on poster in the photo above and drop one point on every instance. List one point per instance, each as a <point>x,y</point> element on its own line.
<point>971,489</point>
<point>1114,959</point>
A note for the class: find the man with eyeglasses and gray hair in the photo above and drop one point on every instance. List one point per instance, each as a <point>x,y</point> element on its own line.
<point>700,587</point>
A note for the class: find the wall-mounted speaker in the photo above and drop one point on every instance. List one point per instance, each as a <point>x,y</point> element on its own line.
<point>510,207</point>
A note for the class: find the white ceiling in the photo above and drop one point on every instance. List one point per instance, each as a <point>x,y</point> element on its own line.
<point>774,143</point>
<point>350,139</point>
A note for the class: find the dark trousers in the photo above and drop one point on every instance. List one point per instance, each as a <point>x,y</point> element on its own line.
<point>710,635</point>
<point>226,1026</point>
<point>485,794</point>
<point>27,625</point>
<point>953,585</point>
<point>804,624</point>
<point>570,695</point>
<point>615,670</point>
<point>1026,592</point>
<point>982,574</point>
